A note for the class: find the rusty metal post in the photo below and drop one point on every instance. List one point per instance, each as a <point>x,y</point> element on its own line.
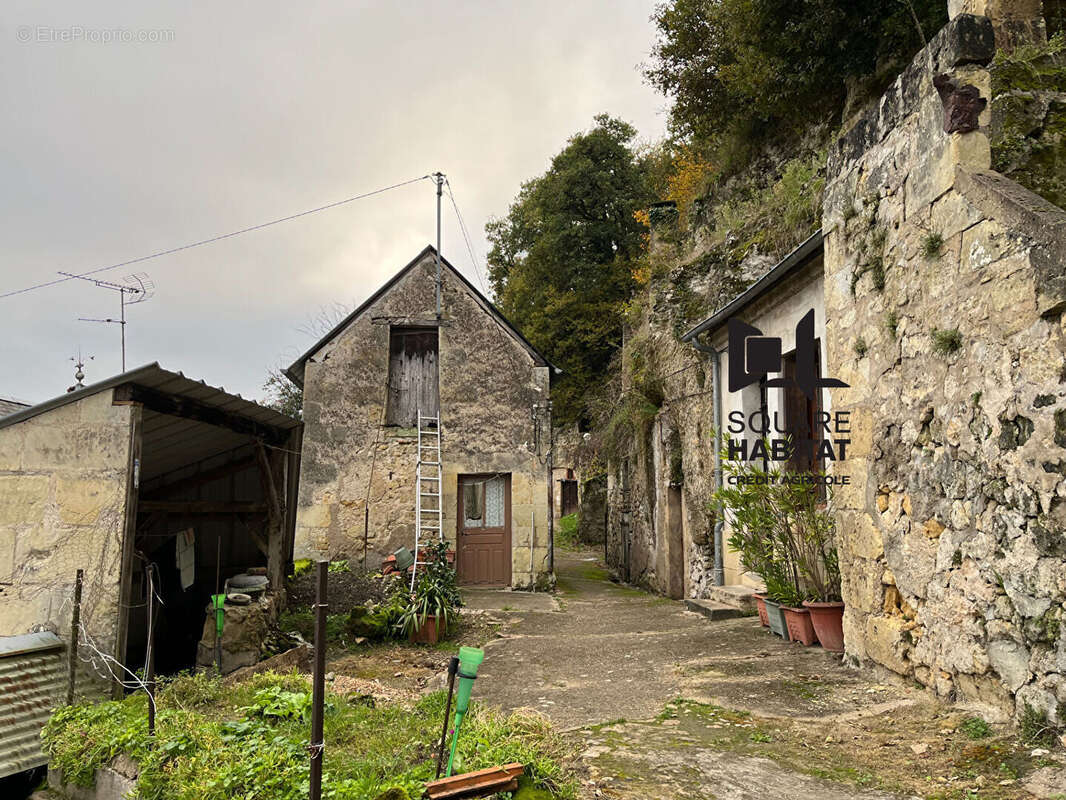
<point>318,690</point>
<point>149,667</point>
<point>75,627</point>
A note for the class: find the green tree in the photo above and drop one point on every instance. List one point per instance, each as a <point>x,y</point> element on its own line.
<point>753,68</point>
<point>561,261</point>
<point>283,395</point>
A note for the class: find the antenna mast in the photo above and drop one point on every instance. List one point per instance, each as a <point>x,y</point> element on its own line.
<point>139,286</point>
<point>438,178</point>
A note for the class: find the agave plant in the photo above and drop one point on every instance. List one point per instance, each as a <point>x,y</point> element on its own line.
<point>436,594</point>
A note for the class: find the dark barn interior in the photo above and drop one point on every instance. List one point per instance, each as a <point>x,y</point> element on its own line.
<point>218,472</point>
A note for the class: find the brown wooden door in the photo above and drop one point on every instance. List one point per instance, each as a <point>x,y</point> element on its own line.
<point>483,556</point>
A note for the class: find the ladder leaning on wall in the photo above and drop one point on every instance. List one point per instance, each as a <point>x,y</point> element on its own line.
<point>428,486</point>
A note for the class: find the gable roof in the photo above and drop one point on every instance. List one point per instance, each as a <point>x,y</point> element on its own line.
<point>295,371</point>
<point>798,258</point>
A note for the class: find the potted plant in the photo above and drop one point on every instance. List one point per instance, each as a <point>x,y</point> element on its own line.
<point>784,534</point>
<point>821,573</point>
<point>433,604</point>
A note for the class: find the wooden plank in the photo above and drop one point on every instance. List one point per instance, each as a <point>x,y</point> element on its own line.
<point>202,507</point>
<point>481,783</point>
<point>199,479</point>
<point>129,535</point>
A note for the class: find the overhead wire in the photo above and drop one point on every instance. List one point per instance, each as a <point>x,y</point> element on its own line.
<point>212,239</point>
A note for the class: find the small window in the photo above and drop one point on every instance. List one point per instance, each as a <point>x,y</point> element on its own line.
<point>413,378</point>
<point>483,503</point>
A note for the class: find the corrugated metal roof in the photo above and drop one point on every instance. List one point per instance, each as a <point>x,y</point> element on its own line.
<point>32,679</point>
<point>152,376</point>
<point>9,406</point>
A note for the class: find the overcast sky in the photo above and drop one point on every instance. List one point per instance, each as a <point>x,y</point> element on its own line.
<point>245,112</point>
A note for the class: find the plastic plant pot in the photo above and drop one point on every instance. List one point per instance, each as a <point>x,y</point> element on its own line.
<point>828,621</point>
<point>776,618</point>
<point>798,622</point>
<point>760,604</point>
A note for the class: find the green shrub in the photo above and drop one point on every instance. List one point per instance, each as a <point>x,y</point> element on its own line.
<point>566,533</point>
<point>975,728</point>
<point>861,348</point>
<point>240,747</point>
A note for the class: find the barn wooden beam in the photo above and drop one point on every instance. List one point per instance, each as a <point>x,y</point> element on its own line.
<point>200,478</point>
<point>176,406</point>
<point>202,507</point>
<point>275,515</point>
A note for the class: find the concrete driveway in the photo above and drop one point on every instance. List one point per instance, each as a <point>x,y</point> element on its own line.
<point>615,666</point>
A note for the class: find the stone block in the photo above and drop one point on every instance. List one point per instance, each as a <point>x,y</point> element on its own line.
<point>886,643</point>
<point>23,499</point>
<point>319,515</point>
<point>859,535</point>
<point>81,502</point>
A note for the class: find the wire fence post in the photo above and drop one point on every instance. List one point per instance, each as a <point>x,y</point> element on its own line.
<point>75,624</point>
<point>149,666</point>
<point>319,681</point>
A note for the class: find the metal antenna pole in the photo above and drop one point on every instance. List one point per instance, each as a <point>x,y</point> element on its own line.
<point>439,178</point>
<point>138,286</point>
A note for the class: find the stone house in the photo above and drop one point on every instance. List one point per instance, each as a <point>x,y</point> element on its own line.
<point>106,478</point>
<point>774,306</point>
<point>365,383</point>
<point>938,287</point>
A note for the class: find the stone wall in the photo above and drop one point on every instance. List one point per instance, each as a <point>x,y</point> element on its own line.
<point>489,384</point>
<point>952,531</point>
<point>659,529</point>
<point>63,479</point>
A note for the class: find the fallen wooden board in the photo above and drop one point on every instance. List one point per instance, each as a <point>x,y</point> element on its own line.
<point>476,784</point>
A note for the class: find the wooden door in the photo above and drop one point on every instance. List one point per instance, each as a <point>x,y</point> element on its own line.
<point>483,551</point>
<point>569,497</point>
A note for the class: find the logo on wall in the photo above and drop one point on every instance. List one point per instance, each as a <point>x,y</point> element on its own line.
<point>798,432</point>
<point>752,356</point>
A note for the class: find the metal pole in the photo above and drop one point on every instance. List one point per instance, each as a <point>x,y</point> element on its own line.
<point>551,494</point>
<point>453,667</point>
<point>439,177</point>
<point>318,688</point>
<point>215,604</point>
<point>75,624</point>
<point>122,325</point>
<point>149,667</point>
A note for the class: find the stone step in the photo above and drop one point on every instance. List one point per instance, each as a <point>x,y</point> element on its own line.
<point>742,597</point>
<point>713,610</point>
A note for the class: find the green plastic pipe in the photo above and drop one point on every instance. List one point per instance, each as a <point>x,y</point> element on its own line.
<point>470,659</point>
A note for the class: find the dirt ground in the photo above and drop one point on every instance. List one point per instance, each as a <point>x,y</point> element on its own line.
<point>659,702</point>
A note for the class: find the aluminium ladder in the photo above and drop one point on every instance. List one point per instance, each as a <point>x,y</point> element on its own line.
<point>428,486</point>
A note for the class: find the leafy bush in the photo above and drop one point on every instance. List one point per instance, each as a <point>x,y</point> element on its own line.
<point>566,533</point>
<point>975,728</point>
<point>436,594</point>
<point>946,341</point>
<point>782,531</point>
<point>240,748</point>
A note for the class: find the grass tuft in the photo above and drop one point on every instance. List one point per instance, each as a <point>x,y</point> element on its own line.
<point>946,341</point>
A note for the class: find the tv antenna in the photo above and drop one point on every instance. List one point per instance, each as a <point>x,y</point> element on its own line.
<point>135,289</point>
<point>79,371</point>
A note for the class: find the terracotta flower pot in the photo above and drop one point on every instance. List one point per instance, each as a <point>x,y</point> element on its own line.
<point>776,618</point>
<point>828,621</point>
<point>760,604</point>
<point>800,628</point>
<point>429,633</point>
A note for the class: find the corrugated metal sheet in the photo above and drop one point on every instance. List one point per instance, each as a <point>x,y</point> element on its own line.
<point>32,680</point>
<point>152,376</point>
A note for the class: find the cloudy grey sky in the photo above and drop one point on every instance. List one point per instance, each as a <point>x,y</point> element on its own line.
<point>252,111</point>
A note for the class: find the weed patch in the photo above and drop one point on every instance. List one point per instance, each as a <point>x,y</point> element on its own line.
<point>251,741</point>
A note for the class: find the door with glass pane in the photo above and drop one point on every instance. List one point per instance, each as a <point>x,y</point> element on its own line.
<point>483,556</point>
